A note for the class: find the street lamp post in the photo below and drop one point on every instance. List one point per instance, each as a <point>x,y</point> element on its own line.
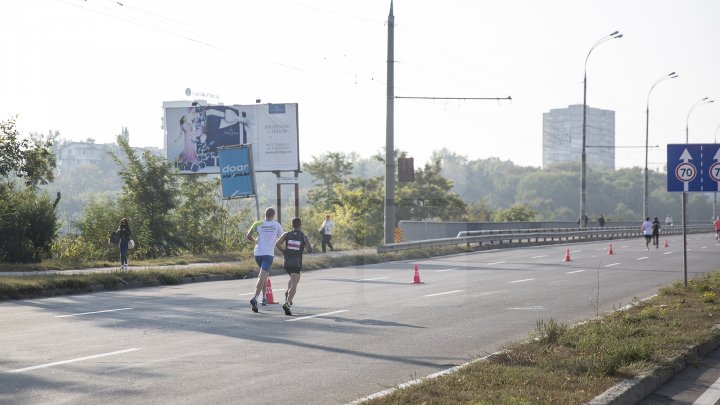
<point>684,194</point>
<point>583,159</point>
<point>647,136</point>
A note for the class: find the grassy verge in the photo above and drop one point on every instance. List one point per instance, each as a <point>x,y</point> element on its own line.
<point>560,364</point>
<point>60,284</point>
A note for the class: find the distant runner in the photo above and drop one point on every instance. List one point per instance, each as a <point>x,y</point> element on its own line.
<point>267,232</point>
<point>292,245</point>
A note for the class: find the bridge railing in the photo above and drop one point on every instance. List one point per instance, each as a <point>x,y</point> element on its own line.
<point>514,237</point>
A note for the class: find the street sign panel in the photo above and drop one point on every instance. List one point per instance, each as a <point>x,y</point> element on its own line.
<point>693,167</point>
<point>237,175</point>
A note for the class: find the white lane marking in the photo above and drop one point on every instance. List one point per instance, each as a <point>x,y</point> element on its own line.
<point>623,246</point>
<point>490,264</point>
<point>523,280</point>
<point>533,308</point>
<point>576,271</point>
<point>95,312</point>
<point>703,247</point>
<point>371,279</point>
<point>440,271</point>
<point>57,363</point>
<point>575,251</point>
<point>642,258</point>
<point>443,293</point>
<point>710,396</point>
<point>667,253</point>
<point>611,264</point>
<point>247,294</point>
<point>537,257</point>
<point>315,316</point>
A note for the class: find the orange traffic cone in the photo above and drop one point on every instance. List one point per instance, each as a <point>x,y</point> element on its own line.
<point>567,255</point>
<point>666,244</point>
<point>610,251</point>
<point>268,293</point>
<point>416,278</point>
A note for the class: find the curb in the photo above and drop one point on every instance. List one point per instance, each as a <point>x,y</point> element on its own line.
<point>633,390</point>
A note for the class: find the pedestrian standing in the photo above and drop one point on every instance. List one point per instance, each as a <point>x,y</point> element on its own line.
<point>123,233</point>
<point>647,229</point>
<point>717,228</point>
<point>326,229</point>
<point>656,232</point>
<point>267,232</point>
<point>292,244</point>
<point>601,220</point>
<point>668,220</point>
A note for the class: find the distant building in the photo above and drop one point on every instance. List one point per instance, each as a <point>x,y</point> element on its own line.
<point>562,137</point>
<point>73,154</point>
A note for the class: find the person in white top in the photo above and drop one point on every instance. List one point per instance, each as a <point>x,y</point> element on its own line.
<point>267,231</point>
<point>327,230</point>
<point>647,229</point>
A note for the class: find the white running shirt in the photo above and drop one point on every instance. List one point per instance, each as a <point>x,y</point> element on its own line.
<point>267,233</point>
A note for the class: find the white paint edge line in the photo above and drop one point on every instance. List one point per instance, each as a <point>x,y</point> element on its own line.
<point>611,264</point>
<point>443,293</point>
<point>95,312</point>
<point>710,396</point>
<point>247,294</point>
<point>372,279</point>
<point>642,258</point>
<point>315,316</point>
<point>490,264</point>
<point>57,363</point>
<point>537,257</point>
<point>575,251</point>
<point>440,271</point>
<point>624,246</point>
<point>667,253</point>
<point>523,280</point>
<point>576,271</point>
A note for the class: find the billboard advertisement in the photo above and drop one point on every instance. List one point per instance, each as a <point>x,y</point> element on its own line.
<point>193,135</point>
<point>236,171</point>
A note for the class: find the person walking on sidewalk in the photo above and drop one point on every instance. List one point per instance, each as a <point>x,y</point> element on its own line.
<point>647,229</point>
<point>267,232</point>
<point>292,244</point>
<point>326,230</point>
<point>656,232</point>
<point>123,233</point>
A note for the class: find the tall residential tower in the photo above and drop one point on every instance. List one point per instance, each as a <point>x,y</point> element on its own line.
<point>562,137</point>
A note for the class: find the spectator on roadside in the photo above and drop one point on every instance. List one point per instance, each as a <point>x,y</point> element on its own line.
<point>123,233</point>
<point>326,229</point>
<point>601,220</point>
<point>656,232</point>
<point>717,228</point>
<point>668,220</point>
<point>647,230</point>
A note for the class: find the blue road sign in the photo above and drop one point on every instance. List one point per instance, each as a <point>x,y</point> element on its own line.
<point>236,171</point>
<point>693,167</point>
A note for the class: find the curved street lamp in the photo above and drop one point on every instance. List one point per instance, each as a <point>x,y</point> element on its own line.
<point>583,159</point>
<point>647,136</point>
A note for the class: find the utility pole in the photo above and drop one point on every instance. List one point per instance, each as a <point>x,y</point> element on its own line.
<point>389,134</point>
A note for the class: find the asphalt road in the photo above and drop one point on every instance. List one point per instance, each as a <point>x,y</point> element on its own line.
<point>355,331</point>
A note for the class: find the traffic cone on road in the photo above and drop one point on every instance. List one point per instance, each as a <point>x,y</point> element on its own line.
<point>416,277</point>
<point>268,293</point>
<point>610,251</point>
<point>666,244</point>
<point>567,255</point>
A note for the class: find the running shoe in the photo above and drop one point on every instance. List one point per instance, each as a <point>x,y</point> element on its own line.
<point>253,303</point>
<point>286,308</point>
<point>264,302</point>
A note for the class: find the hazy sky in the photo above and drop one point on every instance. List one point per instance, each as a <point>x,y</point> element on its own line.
<point>89,67</point>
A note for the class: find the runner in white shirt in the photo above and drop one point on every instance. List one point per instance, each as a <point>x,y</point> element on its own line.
<point>647,228</point>
<point>267,233</point>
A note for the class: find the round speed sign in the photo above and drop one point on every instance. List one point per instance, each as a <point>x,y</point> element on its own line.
<point>685,172</point>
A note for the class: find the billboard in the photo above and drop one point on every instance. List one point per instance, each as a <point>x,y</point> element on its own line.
<point>236,171</point>
<point>193,135</point>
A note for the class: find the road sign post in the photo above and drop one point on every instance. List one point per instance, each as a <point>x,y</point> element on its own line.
<point>692,167</point>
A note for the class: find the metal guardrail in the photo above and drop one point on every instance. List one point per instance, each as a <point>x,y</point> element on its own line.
<point>535,236</point>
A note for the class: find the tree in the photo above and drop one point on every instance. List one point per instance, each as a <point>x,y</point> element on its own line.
<point>516,213</point>
<point>330,169</point>
<point>149,195</point>
<point>31,159</point>
<point>429,197</point>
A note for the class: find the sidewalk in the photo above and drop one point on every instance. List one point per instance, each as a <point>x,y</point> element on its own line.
<point>278,259</point>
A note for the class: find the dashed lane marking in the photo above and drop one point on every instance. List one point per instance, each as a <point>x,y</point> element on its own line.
<point>611,264</point>
<point>94,312</point>
<point>667,253</point>
<point>642,258</point>
<point>57,363</point>
<point>374,278</point>
<point>315,316</point>
<point>490,264</point>
<point>537,257</point>
<point>443,293</point>
<point>576,271</point>
<point>523,280</point>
